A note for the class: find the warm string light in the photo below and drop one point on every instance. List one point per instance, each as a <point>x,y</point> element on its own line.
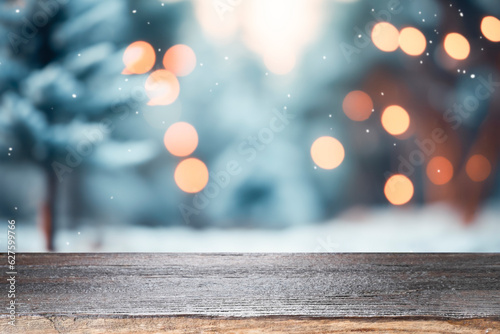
<point>478,168</point>
<point>139,57</point>
<point>439,170</point>
<point>163,88</point>
<point>180,59</point>
<point>191,175</point>
<point>327,152</point>
<point>385,36</point>
<point>357,105</point>
<point>395,120</point>
<point>398,189</point>
<point>490,27</point>
<point>412,41</point>
<point>456,46</point>
<point>181,139</point>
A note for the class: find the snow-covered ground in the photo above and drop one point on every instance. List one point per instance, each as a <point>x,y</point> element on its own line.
<point>429,229</point>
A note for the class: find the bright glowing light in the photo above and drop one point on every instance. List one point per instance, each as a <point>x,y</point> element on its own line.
<point>439,170</point>
<point>478,168</point>
<point>412,41</point>
<point>219,20</point>
<point>181,139</point>
<point>327,152</point>
<point>191,175</point>
<point>395,120</point>
<point>139,57</point>
<point>385,36</point>
<point>490,27</point>
<point>456,46</point>
<point>180,60</point>
<point>280,64</point>
<point>357,105</point>
<point>278,30</point>
<point>398,189</point>
<point>162,87</point>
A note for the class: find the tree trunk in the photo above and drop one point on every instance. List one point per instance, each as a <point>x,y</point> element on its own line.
<point>48,210</point>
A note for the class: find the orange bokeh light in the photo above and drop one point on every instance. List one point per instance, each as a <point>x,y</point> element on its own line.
<point>490,27</point>
<point>181,139</point>
<point>162,87</point>
<point>412,41</point>
<point>398,189</point>
<point>191,175</point>
<point>357,105</point>
<point>180,59</point>
<point>456,46</point>
<point>385,36</point>
<point>439,170</point>
<point>395,120</point>
<point>478,168</point>
<point>139,57</point>
<point>327,152</point>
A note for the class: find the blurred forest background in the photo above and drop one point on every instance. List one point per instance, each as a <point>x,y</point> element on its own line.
<point>286,105</point>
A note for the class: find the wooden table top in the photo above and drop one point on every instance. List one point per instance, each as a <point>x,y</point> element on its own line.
<point>259,290</point>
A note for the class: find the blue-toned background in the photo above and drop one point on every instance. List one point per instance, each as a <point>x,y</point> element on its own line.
<point>82,157</point>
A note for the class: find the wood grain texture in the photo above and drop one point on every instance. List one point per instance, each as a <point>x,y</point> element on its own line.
<point>445,293</point>
<point>178,325</point>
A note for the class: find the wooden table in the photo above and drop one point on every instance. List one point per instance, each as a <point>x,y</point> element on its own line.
<point>240,293</point>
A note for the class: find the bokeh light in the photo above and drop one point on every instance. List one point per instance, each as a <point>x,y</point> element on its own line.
<point>490,27</point>
<point>279,30</point>
<point>180,59</point>
<point>439,170</point>
<point>181,139</point>
<point>398,189</point>
<point>327,152</point>
<point>191,175</point>
<point>456,46</point>
<point>412,41</point>
<point>357,105</point>
<point>385,37</point>
<point>162,87</point>
<point>281,63</point>
<point>395,120</point>
<point>478,168</point>
<point>139,57</point>
<point>215,25</point>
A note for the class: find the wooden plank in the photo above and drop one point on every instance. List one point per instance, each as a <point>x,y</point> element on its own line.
<point>233,292</point>
<point>178,325</point>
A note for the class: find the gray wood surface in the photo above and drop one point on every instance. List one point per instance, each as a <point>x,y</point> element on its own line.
<point>406,286</point>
